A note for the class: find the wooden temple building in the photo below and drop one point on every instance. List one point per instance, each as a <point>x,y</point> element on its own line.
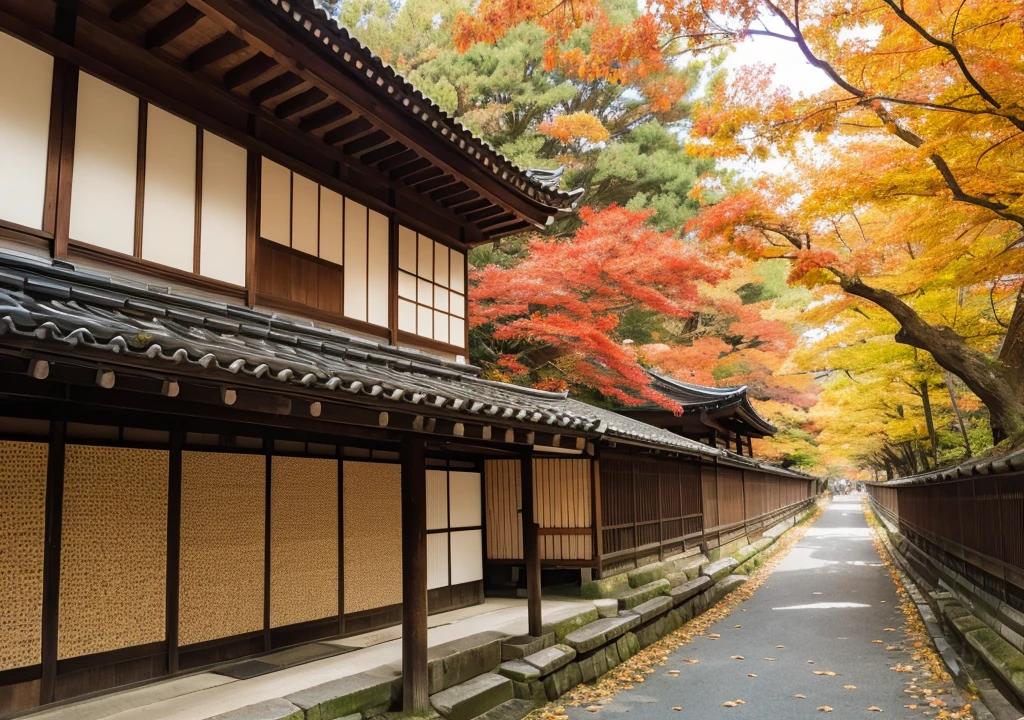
<point>719,417</point>
<point>235,412</point>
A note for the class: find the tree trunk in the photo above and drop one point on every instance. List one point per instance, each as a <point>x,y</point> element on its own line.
<point>990,380</point>
<point>959,415</point>
<point>930,422</point>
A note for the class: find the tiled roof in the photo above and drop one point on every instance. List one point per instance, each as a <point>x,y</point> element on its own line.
<point>323,29</point>
<point>58,305</point>
<point>1011,462</point>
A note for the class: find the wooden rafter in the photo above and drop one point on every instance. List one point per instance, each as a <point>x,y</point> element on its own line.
<point>177,23</point>
<point>383,153</point>
<point>127,10</point>
<point>300,103</point>
<point>367,143</point>
<point>324,116</point>
<point>354,128</point>
<point>248,71</point>
<point>275,87</point>
<point>227,44</point>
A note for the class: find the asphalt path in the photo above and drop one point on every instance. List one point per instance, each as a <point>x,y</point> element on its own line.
<point>824,604</point>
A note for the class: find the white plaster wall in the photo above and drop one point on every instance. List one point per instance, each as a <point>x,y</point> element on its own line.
<point>26,78</point>
<point>355,259</point>
<point>332,226</point>
<point>377,269</point>
<point>222,229</point>
<point>275,202</point>
<point>169,208</point>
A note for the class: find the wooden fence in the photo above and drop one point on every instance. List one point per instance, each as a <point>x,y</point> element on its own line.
<point>974,525</point>
<point>652,508</point>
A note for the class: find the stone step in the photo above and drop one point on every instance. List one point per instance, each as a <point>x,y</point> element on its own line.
<point>276,709</point>
<point>720,568</point>
<point>550,659</point>
<point>723,587</point>
<point>607,607</point>
<point>518,647</point>
<point>748,551</point>
<point>653,608</point>
<point>369,692</point>
<point>631,598</point>
<point>518,671</point>
<point>515,709</point>
<point>564,620</point>
<point>690,588</point>
<point>473,697</point>
<point>601,632</point>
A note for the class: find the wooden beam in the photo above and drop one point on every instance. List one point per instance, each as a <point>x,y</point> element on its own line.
<point>497,223</point>
<point>441,193</point>
<point>275,87</point>
<point>437,182</point>
<point>415,681</point>
<point>410,167</point>
<point>324,116</point>
<point>420,176</point>
<point>174,25</point>
<point>127,10</point>
<point>531,549</point>
<point>367,143</point>
<point>227,44</point>
<point>248,71</point>
<point>352,129</point>
<point>300,103</point>
<point>471,205</point>
<point>484,213</point>
<point>460,198</point>
<point>383,153</point>
<point>397,160</point>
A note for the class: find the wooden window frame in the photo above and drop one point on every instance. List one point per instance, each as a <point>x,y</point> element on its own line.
<point>407,337</point>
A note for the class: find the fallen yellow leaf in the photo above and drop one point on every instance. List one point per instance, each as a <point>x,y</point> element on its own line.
<point>876,641</point>
<point>677,708</point>
<point>729,704</point>
<point>714,636</point>
<point>751,675</point>
<point>738,657</point>
<point>890,630</point>
<point>910,707</point>
<point>824,672</point>
<point>690,661</point>
<point>802,697</point>
<point>874,709</point>
<point>825,708</point>
<point>849,687</point>
<point>737,627</point>
<point>593,708</point>
<point>780,647</point>
<point>770,659</point>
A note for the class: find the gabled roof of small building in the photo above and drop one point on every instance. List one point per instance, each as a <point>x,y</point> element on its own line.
<point>697,398</point>
<point>56,309</point>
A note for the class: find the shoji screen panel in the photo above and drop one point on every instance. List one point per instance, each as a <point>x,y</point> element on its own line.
<point>223,220</point>
<point>454,528</point>
<point>431,289</point>
<point>356,229</point>
<point>24,131</point>
<point>105,166</point>
<point>169,204</point>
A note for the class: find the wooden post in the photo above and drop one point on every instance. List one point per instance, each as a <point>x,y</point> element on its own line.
<point>51,559</point>
<point>531,550</point>
<point>415,695</point>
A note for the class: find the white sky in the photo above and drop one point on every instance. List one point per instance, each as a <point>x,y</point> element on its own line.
<point>791,69</point>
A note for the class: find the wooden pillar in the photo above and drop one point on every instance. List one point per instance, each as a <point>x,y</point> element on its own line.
<point>171,613</point>
<point>750,445</point>
<point>596,513</point>
<point>739,444</point>
<point>51,559</point>
<point>415,695</point>
<point>531,549</point>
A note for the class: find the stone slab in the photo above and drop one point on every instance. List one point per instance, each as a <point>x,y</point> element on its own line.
<point>647,574</point>
<point>276,709</point>
<point>562,681</point>
<point>457,661</point>
<point>607,607</point>
<point>723,587</point>
<point>473,697</point>
<point>720,568</point>
<point>347,695</point>
<point>550,659</point>
<point>653,608</point>
<point>600,632</point>
<point>532,691</point>
<point>631,598</point>
<point>515,709</point>
<point>563,621</point>
<point>518,670</point>
<point>516,648</point>
<point>689,589</point>
<point>605,587</point>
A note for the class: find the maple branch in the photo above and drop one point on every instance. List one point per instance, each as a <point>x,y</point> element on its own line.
<point>952,50</point>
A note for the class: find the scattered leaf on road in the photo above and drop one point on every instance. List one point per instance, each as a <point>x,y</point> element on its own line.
<point>825,708</point>
<point>874,709</point>
<point>910,707</point>
<point>737,627</point>
<point>691,661</point>
<point>830,673</point>
<point>849,687</point>
<point>593,708</point>
<point>677,708</point>
<point>751,675</point>
<point>770,659</point>
<point>802,697</point>
<point>876,641</point>
<point>714,636</point>
<point>737,657</point>
<point>891,647</point>
<point>780,647</point>
<point>890,630</point>
<point>729,704</point>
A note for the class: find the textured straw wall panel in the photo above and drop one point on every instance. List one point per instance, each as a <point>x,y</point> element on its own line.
<point>22,512</point>
<point>373,535</point>
<point>304,540</point>
<point>113,549</point>
<point>222,520</point>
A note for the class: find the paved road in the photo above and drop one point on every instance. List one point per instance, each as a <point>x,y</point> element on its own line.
<point>825,602</point>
